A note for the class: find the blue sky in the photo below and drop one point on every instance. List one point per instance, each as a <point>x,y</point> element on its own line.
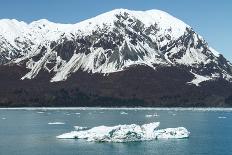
<point>210,18</point>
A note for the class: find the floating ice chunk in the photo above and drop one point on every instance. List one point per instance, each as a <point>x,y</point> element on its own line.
<point>154,115</point>
<point>56,123</point>
<point>222,117</point>
<point>77,113</point>
<point>40,112</point>
<point>172,133</point>
<point>127,133</point>
<point>123,113</point>
<point>148,116</point>
<point>3,118</point>
<point>78,128</point>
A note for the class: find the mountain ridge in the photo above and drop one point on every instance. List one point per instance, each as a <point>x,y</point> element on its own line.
<point>108,44</point>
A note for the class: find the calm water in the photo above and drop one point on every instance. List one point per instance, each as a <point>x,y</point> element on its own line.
<point>27,132</point>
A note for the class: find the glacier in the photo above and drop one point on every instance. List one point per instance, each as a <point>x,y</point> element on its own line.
<point>127,133</point>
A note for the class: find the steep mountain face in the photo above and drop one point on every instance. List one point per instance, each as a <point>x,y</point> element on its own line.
<point>113,44</point>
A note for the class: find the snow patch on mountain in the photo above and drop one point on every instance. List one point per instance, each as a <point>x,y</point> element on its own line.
<point>199,79</point>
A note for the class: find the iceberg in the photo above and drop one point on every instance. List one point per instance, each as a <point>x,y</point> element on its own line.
<point>127,133</point>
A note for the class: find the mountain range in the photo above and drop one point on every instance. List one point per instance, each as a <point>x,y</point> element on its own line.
<point>119,58</point>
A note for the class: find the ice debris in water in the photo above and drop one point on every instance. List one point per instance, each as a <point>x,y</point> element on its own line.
<point>222,117</point>
<point>127,133</point>
<point>56,123</point>
<point>78,128</point>
<point>40,112</point>
<point>154,115</point>
<point>123,113</point>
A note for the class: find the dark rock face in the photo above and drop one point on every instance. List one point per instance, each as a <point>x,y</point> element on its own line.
<point>137,86</point>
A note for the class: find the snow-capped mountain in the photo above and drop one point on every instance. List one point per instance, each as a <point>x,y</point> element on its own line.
<point>110,43</point>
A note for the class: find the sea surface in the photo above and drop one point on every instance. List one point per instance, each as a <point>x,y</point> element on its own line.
<point>33,131</point>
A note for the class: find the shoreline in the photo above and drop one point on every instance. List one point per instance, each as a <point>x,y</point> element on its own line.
<point>123,108</point>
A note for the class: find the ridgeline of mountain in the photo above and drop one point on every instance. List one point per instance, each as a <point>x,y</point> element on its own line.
<point>119,58</point>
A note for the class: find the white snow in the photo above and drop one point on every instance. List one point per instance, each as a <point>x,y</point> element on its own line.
<point>216,53</point>
<point>56,123</point>
<point>70,67</point>
<point>198,79</point>
<point>127,133</point>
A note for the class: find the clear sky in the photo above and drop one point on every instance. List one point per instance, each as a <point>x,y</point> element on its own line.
<point>210,18</point>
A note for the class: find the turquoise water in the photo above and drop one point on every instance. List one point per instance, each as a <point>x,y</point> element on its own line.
<point>27,132</point>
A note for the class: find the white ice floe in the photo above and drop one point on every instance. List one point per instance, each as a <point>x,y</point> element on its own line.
<point>78,128</point>
<point>123,113</point>
<point>222,117</point>
<point>56,123</point>
<point>40,112</point>
<point>127,133</point>
<point>154,115</point>
<point>3,118</point>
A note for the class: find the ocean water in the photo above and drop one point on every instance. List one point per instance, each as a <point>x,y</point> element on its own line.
<point>33,131</point>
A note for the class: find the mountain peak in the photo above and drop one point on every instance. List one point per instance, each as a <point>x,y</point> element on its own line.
<point>111,42</point>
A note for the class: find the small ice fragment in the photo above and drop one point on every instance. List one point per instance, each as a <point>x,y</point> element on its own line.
<point>148,116</point>
<point>3,118</point>
<point>222,117</point>
<point>78,128</point>
<point>56,123</point>
<point>123,113</point>
<point>154,115</point>
<point>40,112</point>
<point>77,113</point>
